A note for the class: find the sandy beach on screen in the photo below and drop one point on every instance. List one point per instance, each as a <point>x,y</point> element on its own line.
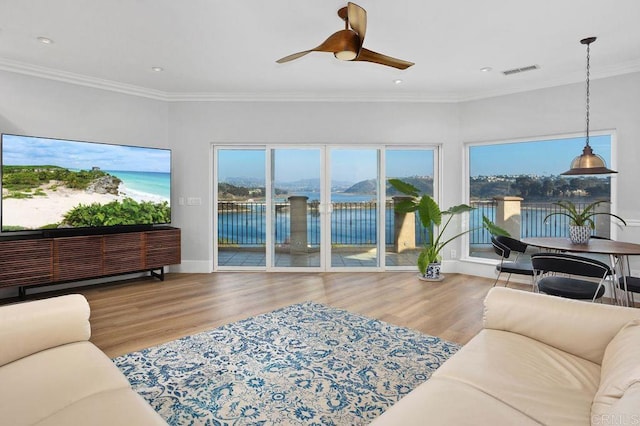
<point>40,210</point>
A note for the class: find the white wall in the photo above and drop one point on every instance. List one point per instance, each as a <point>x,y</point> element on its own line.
<point>40,107</point>
<point>195,126</point>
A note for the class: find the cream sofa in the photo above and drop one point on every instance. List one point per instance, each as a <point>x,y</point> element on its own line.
<point>538,360</point>
<point>50,374</point>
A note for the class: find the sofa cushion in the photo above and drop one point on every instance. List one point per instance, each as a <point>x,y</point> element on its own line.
<point>440,402</point>
<point>620,370</point>
<point>35,387</point>
<point>42,324</point>
<point>109,408</point>
<point>576,327</point>
<point>546,384</point>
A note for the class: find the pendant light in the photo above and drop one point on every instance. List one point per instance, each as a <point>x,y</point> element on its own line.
<point>588,163</point>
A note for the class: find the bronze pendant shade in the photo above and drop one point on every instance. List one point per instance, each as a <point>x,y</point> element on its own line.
<point>588,163</point>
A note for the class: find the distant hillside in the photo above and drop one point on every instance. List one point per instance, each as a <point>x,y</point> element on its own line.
<point>362,187</point>
<point>227,191</point>
<point>424,185</point>
<point>311,185</point>
<point>540,188</point>
<point>246,182</point>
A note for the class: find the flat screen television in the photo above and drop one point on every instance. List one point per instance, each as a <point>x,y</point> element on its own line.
<point>74,187</point>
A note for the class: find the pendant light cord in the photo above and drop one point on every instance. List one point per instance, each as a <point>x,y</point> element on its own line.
<point>588,92</point>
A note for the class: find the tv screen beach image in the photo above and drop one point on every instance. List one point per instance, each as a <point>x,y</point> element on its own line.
<point>52,183</point>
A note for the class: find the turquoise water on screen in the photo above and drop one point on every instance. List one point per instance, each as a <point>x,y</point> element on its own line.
<point>157,184</point>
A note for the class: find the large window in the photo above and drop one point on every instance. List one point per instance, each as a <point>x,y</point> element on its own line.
<point>526,175</point>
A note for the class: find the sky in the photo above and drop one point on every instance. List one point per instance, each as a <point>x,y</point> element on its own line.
<point>347,165</point>
<point>549,157</point>
<point>32,151</point>
<point>542,157</point>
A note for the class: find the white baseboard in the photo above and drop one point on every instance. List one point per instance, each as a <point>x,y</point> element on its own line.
<point>192,267</point>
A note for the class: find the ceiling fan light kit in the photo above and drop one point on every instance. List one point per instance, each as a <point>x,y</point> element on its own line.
<point>347,44</point>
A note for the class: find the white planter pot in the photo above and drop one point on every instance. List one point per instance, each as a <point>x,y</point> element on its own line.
<point>432,273</point>
<point>579,234</point>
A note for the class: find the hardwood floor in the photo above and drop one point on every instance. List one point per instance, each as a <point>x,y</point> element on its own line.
<point>132,315</point>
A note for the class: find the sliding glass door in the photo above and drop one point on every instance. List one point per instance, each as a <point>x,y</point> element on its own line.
<point>316,207</point>
<point>354,208</point>
<point>240,207</point>
<point>295,207</point>
<point>404,239</point>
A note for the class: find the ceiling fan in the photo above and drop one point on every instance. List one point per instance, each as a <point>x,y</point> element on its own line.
<point>347,44</point>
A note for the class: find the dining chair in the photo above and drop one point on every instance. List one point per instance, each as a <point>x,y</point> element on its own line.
<point>629,285</point>
<point>580,277</point>
<point>504,247</point>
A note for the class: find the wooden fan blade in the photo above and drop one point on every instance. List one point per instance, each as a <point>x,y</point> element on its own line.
<point>293,56</point>
<point>337,42</point>
<point>378,58</point>
<point>357,18</point>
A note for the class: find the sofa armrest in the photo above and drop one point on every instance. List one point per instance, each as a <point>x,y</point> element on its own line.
<point>581,328</point>
<point>30,327</point>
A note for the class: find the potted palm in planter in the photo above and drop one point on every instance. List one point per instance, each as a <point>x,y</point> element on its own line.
<point>431,219</point>
<point>580,221</point>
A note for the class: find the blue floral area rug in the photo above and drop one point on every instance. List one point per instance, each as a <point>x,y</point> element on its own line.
<point>304,364</point>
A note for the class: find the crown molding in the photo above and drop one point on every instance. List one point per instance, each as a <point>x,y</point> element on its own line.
<point>80,80</point>
<point>415,97</point>
<point>308,97</point>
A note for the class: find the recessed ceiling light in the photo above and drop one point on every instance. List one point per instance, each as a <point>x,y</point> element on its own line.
<point>157,69</point>
<point>486,69</point>
<point>397,81</point>
<point>45,40</point>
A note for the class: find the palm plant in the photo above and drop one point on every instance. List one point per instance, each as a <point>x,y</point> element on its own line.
<point>582,217</point>
<point>431,216</point>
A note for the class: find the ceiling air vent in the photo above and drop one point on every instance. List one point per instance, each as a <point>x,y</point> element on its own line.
<point>519,70</point>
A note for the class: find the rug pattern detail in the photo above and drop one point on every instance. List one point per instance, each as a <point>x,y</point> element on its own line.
<point>303,364</point>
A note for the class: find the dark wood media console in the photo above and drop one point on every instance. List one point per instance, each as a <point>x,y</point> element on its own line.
<point>42,261</point>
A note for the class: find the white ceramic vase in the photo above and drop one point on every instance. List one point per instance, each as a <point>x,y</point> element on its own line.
<point>579,234</point>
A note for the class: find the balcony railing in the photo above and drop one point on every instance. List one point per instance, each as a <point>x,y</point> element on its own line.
<point>355,223</point>
<point>352,223</point>
<point>531,220</point>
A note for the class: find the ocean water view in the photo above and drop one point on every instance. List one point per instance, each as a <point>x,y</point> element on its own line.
<point>354,222</point>
<point>151,185</point>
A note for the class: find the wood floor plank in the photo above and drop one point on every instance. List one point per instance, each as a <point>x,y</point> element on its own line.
<point>131,315</point>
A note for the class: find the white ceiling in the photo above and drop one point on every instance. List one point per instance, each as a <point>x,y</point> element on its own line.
<point>213,49</point>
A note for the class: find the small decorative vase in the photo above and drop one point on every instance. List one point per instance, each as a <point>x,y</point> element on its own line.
<point>432,273</point>
<point>579,234</point>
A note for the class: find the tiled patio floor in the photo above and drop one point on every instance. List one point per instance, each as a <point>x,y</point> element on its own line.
<point>356,257</point>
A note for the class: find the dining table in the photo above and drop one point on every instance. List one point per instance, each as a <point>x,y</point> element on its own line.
<point>618,253</point>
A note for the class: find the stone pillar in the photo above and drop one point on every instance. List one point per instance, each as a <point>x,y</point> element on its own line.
<point>404,229</point>
<point>603,222</point>
<point>508,215</point>
<point>298,224</point>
